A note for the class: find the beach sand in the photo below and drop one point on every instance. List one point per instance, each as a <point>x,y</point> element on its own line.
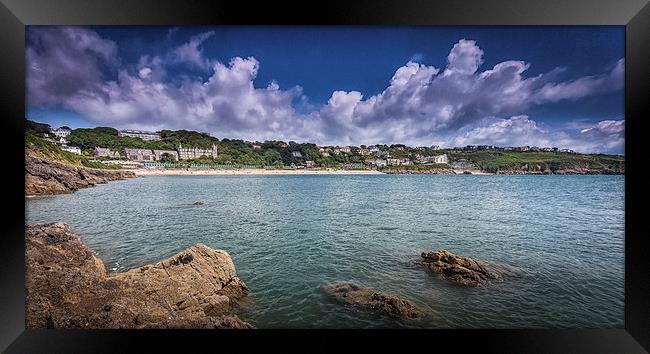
<point>249,171</point>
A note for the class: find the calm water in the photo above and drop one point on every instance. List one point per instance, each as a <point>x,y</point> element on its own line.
<point>290,235</point>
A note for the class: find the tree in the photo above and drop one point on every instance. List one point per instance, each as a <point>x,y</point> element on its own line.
<point>167,158</point>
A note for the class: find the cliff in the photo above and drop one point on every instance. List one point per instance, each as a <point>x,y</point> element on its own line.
<point>67,286</point>
<point>43,177</point>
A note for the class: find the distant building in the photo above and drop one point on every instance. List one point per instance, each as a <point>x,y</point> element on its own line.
<point>105,152</point>
<point>470,147</point>
<point>296,154</point>
<point>339,149</point>
<point>438,159</point>
<point>364,152</point>
<point>139,155</point>
<point>435,147</point>
<point>310,163</point>
<point>324,153</point>
<point>376,162</point>
<point>524,148</point>
<point>62,141</point>
<point>72,149</point>
<point>373,149</point>
<point>534,148</point>
<point>398,162</point>
<point>567,150</point>
<point>62,132</point>
<point>193,153</point>
<point>353,165</point>
<point>382,154</point>
<point>257,147</point>
<point>462,163</point>
<point>141,134</point>
<point>158,154</point>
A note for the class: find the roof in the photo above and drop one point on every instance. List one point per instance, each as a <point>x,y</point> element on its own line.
<point>137,151</point>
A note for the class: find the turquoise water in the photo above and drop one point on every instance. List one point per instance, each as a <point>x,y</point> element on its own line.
<point>291,234</point>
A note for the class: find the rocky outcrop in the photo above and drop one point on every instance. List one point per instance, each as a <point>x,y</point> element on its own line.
<point>461,270</point>
<point>43,177</point>
<point>67,286</point>
<point>198,202</point>
<point>419,172</point>
<point>372,300</point>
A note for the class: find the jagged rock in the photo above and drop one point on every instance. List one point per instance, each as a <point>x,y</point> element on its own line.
<point>462,270</point>
<point>373,300</point>
<point>198,202</point>
<point>67,286</point>
<point>43,177</point>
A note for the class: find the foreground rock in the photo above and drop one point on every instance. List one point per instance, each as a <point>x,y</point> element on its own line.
<point>372,300</point>
<point>462,270</point>
<point>43,177</point>
<point>67,286</point>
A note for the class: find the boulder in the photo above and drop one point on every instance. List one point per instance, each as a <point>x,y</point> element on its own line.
<point>372,300</point>
<point>67,286</point>
<point>461,270</point>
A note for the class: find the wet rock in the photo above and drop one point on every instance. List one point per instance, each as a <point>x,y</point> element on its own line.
<point>67,286</point>
<point>43,177</point>
<point>461,270</point>
<point>372,300</point>
<point>198,202</point>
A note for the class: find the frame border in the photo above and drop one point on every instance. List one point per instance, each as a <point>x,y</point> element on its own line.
<point>634,14</point>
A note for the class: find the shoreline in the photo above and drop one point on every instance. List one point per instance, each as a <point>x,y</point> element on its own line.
<point>251,171</point>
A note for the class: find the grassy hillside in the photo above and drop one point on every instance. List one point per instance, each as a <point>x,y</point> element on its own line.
<point>276,153</point>
<point>493,160</point>
<point>37,146</point>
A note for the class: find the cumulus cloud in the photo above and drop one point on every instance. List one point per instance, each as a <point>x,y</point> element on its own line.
<point>604,136</point>
<point>421,104</point>
<point>191,52</point>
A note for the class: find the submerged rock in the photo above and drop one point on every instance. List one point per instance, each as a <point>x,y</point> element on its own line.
<point>43,177</point>
<point>373,300</point>
<point>462,270</point>
<point>198,202</point>
<point>67,286</point>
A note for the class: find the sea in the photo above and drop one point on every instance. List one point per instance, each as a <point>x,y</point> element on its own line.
<point>291,235</point>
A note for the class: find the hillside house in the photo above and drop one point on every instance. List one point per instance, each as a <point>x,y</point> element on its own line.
<point>106,152</point>
<point>139,154</point>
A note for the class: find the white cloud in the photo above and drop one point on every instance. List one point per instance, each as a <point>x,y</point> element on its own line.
<point>421,104</point>
<point>191,52</point>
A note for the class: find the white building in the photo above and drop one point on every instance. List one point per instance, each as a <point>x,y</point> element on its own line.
<point>62,132</point>
<point>72,149</point>
<point>193,153</point>
<point>144,135</point>
<point>296,154</point>
<point>339,149</point>
<point>441,159</point>
<point>373,148</point>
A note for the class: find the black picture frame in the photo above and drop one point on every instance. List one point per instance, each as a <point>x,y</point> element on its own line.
<point>634,15</point>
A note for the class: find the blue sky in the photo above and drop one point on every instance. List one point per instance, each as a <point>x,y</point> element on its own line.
<point>560,86</point>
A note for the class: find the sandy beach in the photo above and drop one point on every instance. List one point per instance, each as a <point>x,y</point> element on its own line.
<point>250,171</point>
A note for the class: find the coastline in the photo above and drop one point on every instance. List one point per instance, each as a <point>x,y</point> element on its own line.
<point>251,171</point>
